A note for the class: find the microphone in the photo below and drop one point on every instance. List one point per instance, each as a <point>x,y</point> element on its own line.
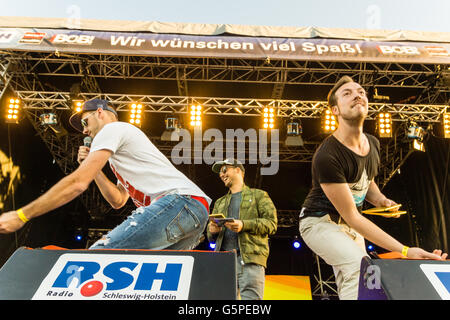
<point>87,141</point>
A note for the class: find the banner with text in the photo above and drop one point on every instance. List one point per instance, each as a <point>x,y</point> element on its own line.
<point>99,42</point>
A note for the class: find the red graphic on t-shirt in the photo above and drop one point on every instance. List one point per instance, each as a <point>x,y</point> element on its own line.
<point>139,198</point>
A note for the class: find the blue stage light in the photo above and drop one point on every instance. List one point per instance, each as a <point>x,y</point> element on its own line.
<point>212,245</point>
<point>296,244</point>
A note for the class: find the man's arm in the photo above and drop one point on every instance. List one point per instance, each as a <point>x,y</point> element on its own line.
<point>61,193</point>
<point>340,196</point>
<point>116,195</point>
<point>266,224</point>
<point>213,229</point>
<point>375,197</point>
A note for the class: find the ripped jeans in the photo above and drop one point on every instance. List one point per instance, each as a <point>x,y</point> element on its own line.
<point>173,222</point>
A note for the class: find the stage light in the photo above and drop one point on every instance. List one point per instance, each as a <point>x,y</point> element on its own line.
<point>418,145</point>
<point>136,114</point>
<point>172,129</point>
<point>446,124</point>
<point>296,243</point>
<point>416,133</point>
<point>269,118</point>
<point>78,237</point>
<point>329,123</point>
<point>13,111</point>
<point>212,245</point>
<point>171,123</point>
<point>77,105</point>
<point>370,247</point>
<point>196,116</point>
<point>294,130</point>
<point>384,125</point>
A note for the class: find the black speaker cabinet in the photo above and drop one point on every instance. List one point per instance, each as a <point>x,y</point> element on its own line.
<point>404,279</point>
<point>46,274</point>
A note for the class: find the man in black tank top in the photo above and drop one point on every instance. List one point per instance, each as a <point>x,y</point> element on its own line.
<point>343,171</point>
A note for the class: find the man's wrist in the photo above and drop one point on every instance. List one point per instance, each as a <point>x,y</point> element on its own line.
<point>22,216</point>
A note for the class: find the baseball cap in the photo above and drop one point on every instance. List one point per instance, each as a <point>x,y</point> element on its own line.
<point>230,162</point>
<point>90,105</point>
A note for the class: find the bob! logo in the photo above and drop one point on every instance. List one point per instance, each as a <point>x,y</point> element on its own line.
<point>120,277</point>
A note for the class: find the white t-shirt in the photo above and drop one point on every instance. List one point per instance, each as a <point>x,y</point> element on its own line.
<point>139,166</point>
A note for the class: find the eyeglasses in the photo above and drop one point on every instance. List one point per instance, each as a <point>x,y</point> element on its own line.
<point>224,169</point>
<point>84,120</point>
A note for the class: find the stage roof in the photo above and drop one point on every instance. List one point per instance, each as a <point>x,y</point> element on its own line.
<point>221,29</point>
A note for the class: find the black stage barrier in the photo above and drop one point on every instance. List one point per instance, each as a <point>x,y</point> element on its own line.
<point>58,273</point>
<point>404,279</point>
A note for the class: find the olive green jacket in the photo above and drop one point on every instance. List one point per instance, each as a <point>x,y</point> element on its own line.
<point>259,217</point>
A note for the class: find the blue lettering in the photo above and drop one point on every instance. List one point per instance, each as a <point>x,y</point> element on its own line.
<point>120,279</point>
<point>170,277</point>
<point>76,270</point>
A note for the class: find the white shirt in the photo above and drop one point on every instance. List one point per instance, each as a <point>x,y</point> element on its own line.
<point>139,166</point>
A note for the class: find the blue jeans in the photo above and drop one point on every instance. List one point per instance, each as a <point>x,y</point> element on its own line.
<point>173,222</point>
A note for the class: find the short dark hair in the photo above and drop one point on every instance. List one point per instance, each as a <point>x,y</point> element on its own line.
<point>332,100</point>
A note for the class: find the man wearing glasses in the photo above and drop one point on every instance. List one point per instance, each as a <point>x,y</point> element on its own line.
<point>254,219</point>
<point>171,210</point>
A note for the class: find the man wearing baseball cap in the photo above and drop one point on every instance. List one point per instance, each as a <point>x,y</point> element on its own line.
<point>254,219</point>
<point>172,211</point>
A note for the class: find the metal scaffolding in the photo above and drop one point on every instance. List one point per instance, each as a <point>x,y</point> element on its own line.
<point>42,81</point>
<point>181,69</point>
<point>225,106</point>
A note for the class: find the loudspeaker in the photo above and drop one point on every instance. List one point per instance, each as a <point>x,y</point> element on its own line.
<point>58,273</point>
<point>404,279</point>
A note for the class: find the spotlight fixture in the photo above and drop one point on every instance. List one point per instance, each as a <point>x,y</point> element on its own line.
<point>294,130</point>
<point>136,114</point>
<point>384,125</point>
<point>329,123</point>
<point>416,134</point>
<point>269,118</point>
<point>13,111</point>
<point>79,234</point>
<point>415,131</point>
<point>196,116</point>
<point>172,129</point>
<point>77,105</point>
<point>418,145</point>
<point>296,243</point>
<point>48,119</point>
<point>446,124</point>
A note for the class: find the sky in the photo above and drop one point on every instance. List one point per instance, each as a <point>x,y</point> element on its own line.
<point>414,15</point>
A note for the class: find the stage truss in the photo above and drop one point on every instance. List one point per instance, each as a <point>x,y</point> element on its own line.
<point>34,76</point>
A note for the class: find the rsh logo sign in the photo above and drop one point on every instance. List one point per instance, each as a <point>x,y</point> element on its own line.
<point>115,276</point>
<point>439,276</point>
